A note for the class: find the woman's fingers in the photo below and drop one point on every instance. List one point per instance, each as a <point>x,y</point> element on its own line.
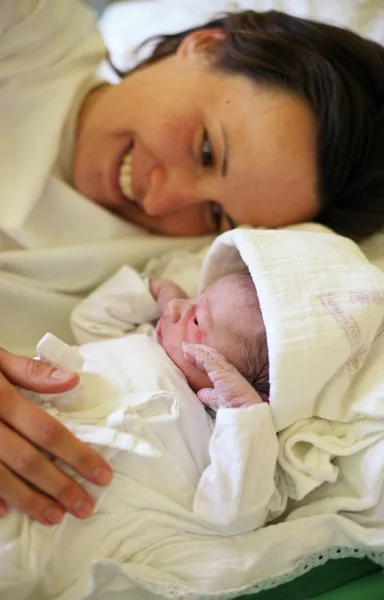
<point>28,480</point>
<point>48,433</point>
<point>27,463</point>
<point>27,500</point>
<point>35,374</point>
<point>26,428</point>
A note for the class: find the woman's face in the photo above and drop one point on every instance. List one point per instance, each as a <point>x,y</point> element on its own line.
<point>182,149</point>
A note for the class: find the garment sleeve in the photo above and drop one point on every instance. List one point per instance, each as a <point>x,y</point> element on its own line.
<point>115,308</point>
<point>124,302</point>
<point>243,487</point>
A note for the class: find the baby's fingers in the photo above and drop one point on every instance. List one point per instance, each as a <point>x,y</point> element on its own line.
<point>209,397</point>
<point>206,358</point>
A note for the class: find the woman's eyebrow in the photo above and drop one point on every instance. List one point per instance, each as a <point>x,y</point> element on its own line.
<point>224,162</point>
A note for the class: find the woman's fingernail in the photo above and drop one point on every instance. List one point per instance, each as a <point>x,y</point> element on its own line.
<point>102,476</point>
<point>61,375</point>
<point>83,508</point>
<point>53,514</point>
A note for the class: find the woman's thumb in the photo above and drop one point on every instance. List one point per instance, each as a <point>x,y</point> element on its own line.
<point>35,375</point>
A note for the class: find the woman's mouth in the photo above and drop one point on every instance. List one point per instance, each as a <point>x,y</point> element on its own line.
<point>125,176</point>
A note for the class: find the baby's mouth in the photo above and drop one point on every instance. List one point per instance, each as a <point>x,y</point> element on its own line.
<point>125,176</point>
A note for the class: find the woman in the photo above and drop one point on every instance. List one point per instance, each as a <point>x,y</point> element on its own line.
<point>262,119</point>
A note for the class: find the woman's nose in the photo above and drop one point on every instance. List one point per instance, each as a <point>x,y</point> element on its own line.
<point>177,308</point>
<point>169,193</point>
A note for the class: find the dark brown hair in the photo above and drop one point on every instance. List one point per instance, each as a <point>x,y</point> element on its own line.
<point>341,76</point>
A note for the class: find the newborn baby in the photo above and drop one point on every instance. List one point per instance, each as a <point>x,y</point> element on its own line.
<point>225,323</point>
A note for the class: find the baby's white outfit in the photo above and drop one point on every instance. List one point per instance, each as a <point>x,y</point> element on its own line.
<point>173,475</point>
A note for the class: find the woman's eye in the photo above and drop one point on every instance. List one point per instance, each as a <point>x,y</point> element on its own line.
<point>216,214</point>
<point>206,151</point>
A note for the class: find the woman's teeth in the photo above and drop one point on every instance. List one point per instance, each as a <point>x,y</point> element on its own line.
<point>125,176</point>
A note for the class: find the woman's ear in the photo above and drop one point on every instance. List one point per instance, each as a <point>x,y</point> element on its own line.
<point>201,44</point>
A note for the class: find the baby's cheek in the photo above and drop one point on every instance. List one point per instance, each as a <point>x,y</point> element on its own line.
<point>193,335</point>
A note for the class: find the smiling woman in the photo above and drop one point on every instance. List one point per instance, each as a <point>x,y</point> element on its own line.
<point>312,112</point>
<point>180,125</point>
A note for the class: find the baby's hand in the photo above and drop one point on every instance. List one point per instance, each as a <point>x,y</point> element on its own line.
<point>230,388</point>
<point>164,290</point>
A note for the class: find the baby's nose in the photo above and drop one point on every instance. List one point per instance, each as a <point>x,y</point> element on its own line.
<point>176,308</point>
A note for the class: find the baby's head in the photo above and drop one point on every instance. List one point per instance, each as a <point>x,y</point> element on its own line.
<point>225,316</point>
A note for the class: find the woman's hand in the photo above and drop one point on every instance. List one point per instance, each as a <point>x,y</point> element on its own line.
<point>28,479</point>
<point>230,388</point>
<point>164,290</point>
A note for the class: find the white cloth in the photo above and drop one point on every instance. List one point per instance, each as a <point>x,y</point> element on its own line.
<point>173,477</point>
<point>55,245</point>
<point>324,318</point>
<point>121,305</point>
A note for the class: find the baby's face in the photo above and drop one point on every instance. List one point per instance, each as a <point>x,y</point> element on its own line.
<point>219,317</point>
